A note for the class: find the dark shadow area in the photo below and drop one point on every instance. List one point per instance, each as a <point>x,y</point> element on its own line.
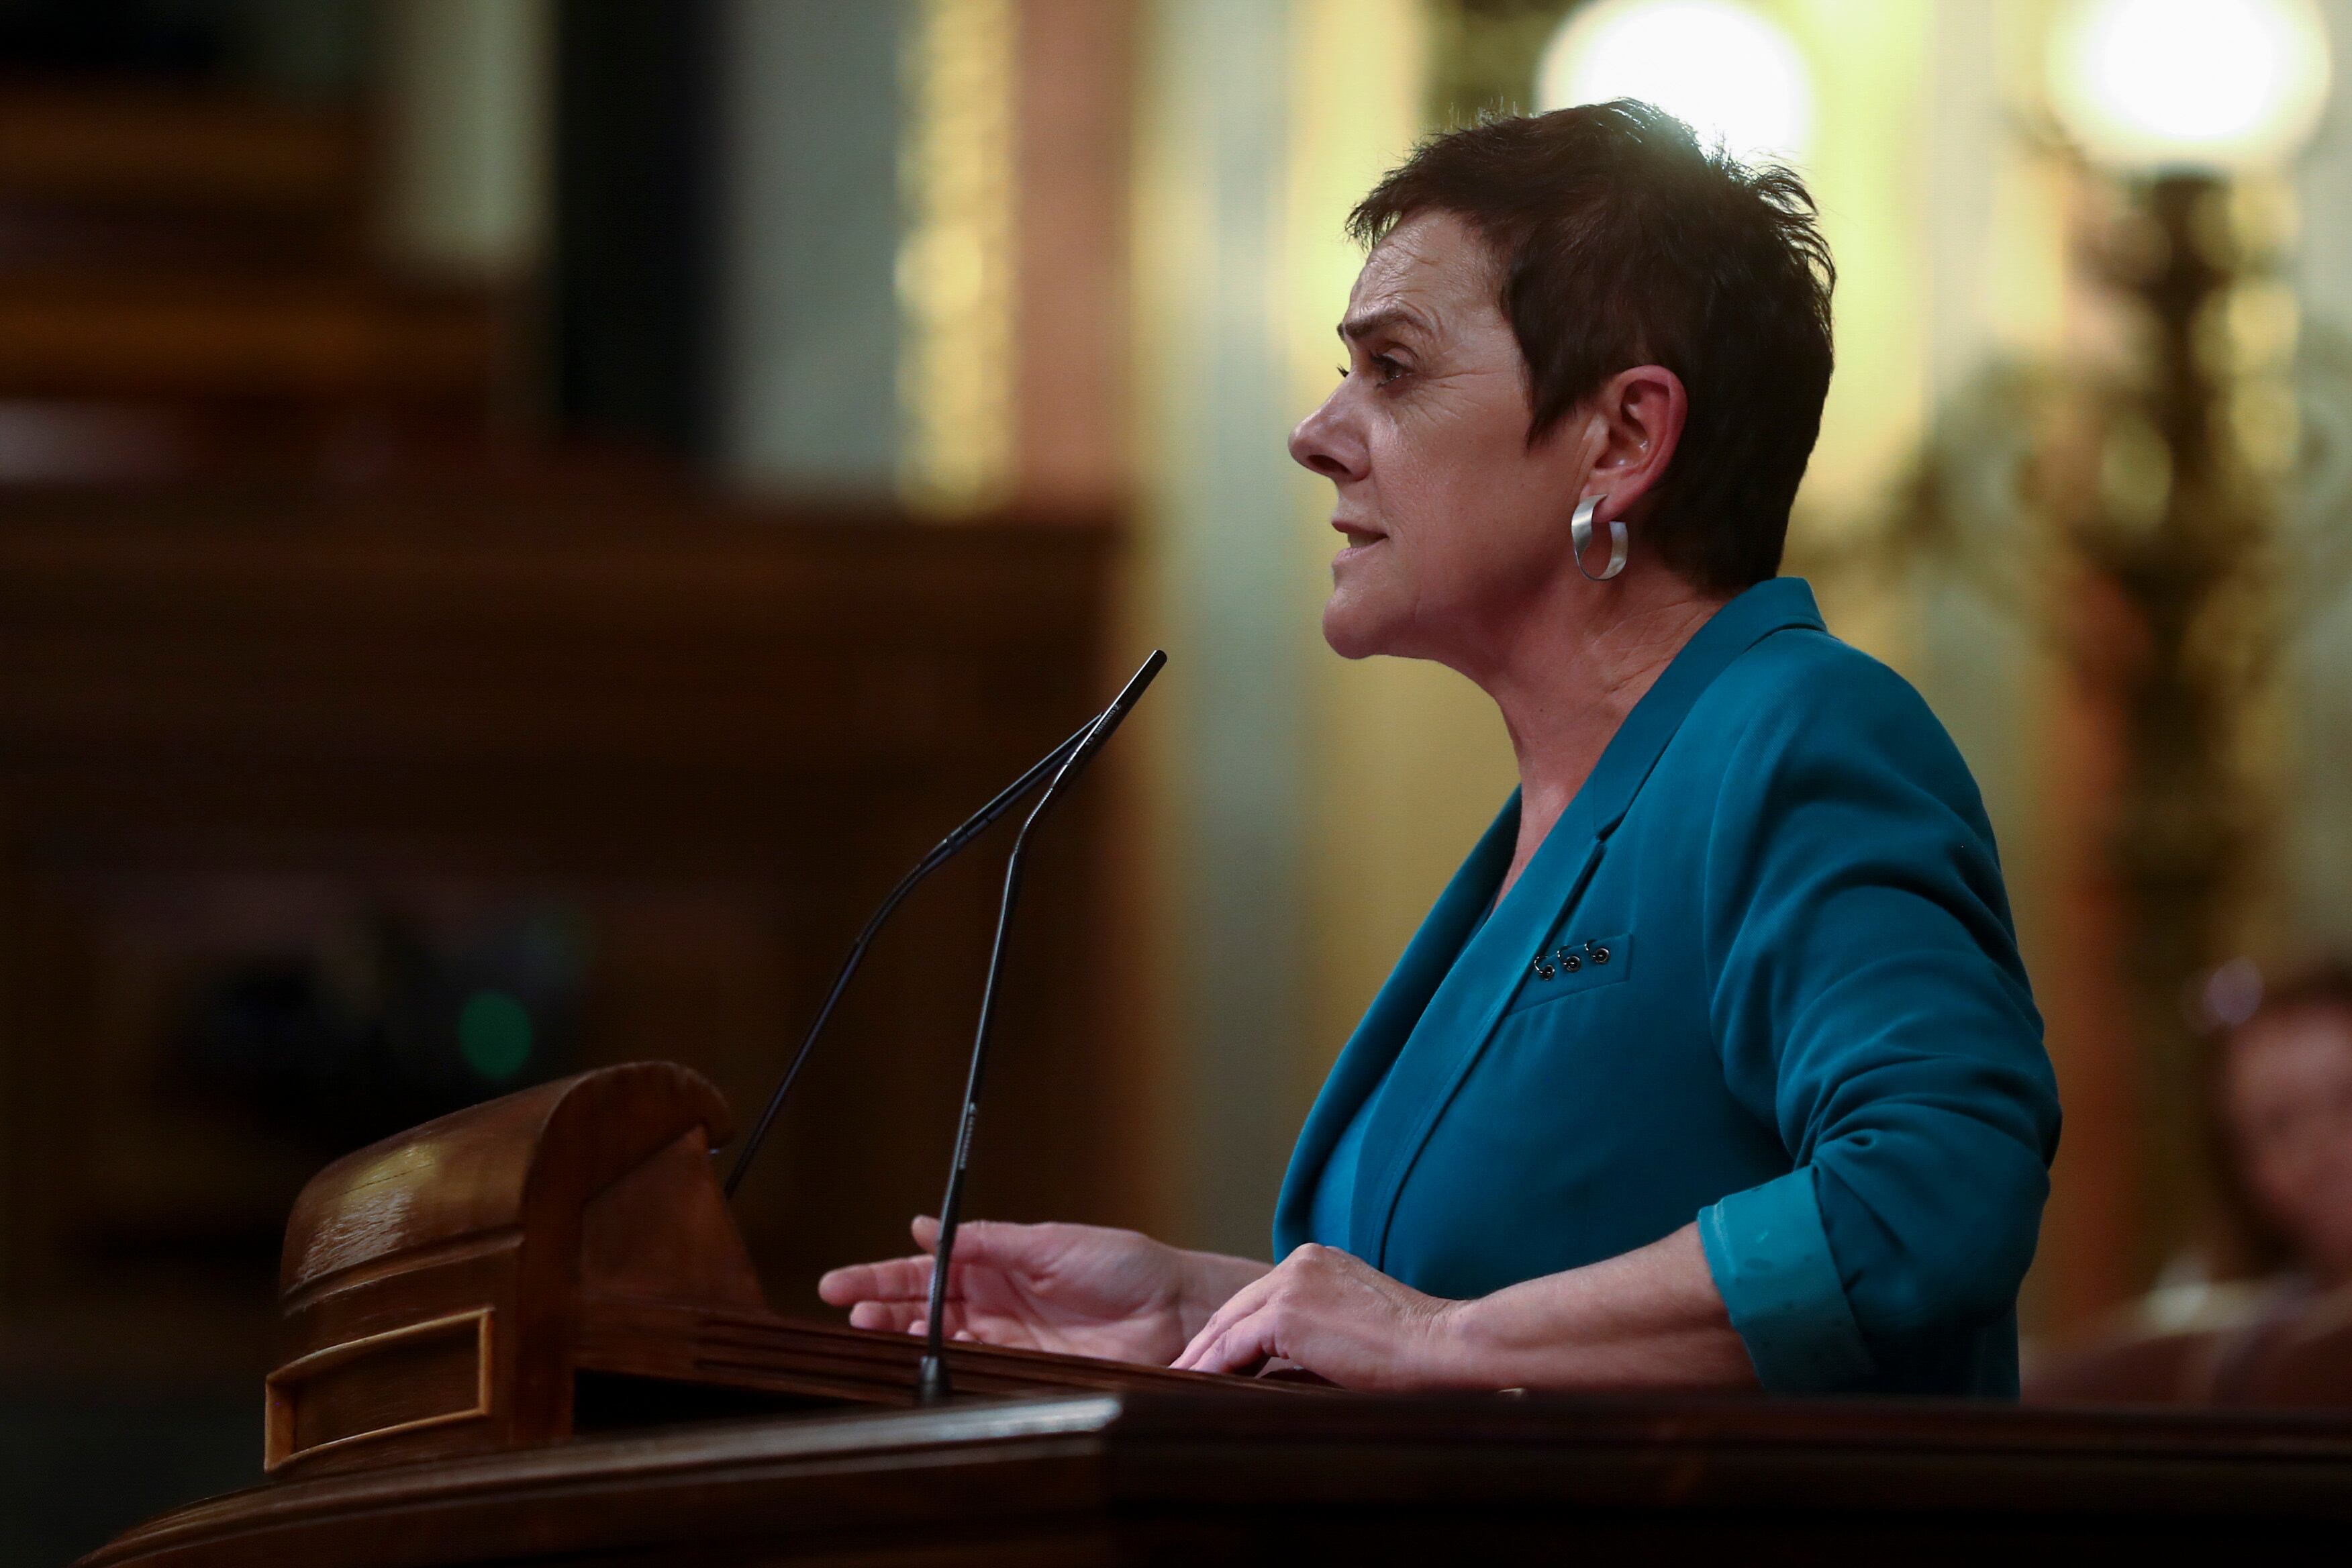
<point>76,1468</point>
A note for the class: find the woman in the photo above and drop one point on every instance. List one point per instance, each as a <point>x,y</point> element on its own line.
<point>1716,1064</point>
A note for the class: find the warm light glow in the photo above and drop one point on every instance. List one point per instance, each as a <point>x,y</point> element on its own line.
<point>1727,69</point>
<point>2218,86</point>
<point>955,261</point>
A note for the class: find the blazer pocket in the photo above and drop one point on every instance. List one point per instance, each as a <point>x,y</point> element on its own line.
<point>1565,969</point>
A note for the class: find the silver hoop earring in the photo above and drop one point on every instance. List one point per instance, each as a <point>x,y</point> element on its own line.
<point>1580,536</point>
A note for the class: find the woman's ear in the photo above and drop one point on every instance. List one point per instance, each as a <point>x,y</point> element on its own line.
<point>1640,414</point>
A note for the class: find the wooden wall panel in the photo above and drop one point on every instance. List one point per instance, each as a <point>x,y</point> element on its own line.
<point>703,742</point>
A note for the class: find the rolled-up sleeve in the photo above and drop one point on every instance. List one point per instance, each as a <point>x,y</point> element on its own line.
<point>1770,1258</point>
<point>1870,1005</point>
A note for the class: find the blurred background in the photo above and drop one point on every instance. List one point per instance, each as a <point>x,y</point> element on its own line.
<point>519,518</point>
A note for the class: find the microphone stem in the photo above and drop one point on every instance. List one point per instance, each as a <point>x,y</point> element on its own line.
<point>931,1376</point>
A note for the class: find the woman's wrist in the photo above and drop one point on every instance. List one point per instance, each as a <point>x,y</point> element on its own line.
<point>1647,1319</point>
<point>1461,1350</point>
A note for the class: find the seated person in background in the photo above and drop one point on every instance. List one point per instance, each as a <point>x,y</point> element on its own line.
<point>2284,1088</point>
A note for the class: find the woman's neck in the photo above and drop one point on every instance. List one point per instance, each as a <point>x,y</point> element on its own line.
<point>1568,681</point>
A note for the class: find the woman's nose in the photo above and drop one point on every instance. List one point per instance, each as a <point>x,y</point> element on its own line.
<point>1324,443</point>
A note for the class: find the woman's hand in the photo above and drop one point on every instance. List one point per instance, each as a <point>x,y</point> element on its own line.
<point>1651,1317</point>
<point>1079,1290</point>
<point>1338,1317</point>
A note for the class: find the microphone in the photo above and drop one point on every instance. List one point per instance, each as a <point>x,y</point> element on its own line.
<point>947,849</point>
<point>931,1380</point>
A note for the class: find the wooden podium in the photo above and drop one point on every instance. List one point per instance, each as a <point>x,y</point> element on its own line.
<point>559,1261</point>
<point>528,1333</point>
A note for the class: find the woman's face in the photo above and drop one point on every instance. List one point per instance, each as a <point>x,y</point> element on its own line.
<point>1453,524</point>
<point>2290,1099</point>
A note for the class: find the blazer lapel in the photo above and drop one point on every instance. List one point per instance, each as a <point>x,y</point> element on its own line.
<point>1453,1028</point>
<point>1365,1061</point>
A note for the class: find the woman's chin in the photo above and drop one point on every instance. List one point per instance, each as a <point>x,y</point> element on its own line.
<point>1353,628</point>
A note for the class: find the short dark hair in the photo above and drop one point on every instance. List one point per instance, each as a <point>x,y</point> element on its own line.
<point>1622,241</point>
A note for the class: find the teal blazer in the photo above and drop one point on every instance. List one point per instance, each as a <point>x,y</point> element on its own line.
<point>1810,1031</point>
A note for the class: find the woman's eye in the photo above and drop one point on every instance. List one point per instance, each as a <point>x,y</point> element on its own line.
<point>1389,368</point>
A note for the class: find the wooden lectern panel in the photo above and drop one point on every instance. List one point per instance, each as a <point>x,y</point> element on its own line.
<point>564,1258</point>
<point>1159,1478</point>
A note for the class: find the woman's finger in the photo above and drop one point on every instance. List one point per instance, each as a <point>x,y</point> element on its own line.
<point>918,1323</point>
<point>892,1317</point>
<point>894,1279</point>
<point>1244,1347</point>
<point>991,1244</point>
<point>1219,1321</point>
<point>1243,1303</point>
